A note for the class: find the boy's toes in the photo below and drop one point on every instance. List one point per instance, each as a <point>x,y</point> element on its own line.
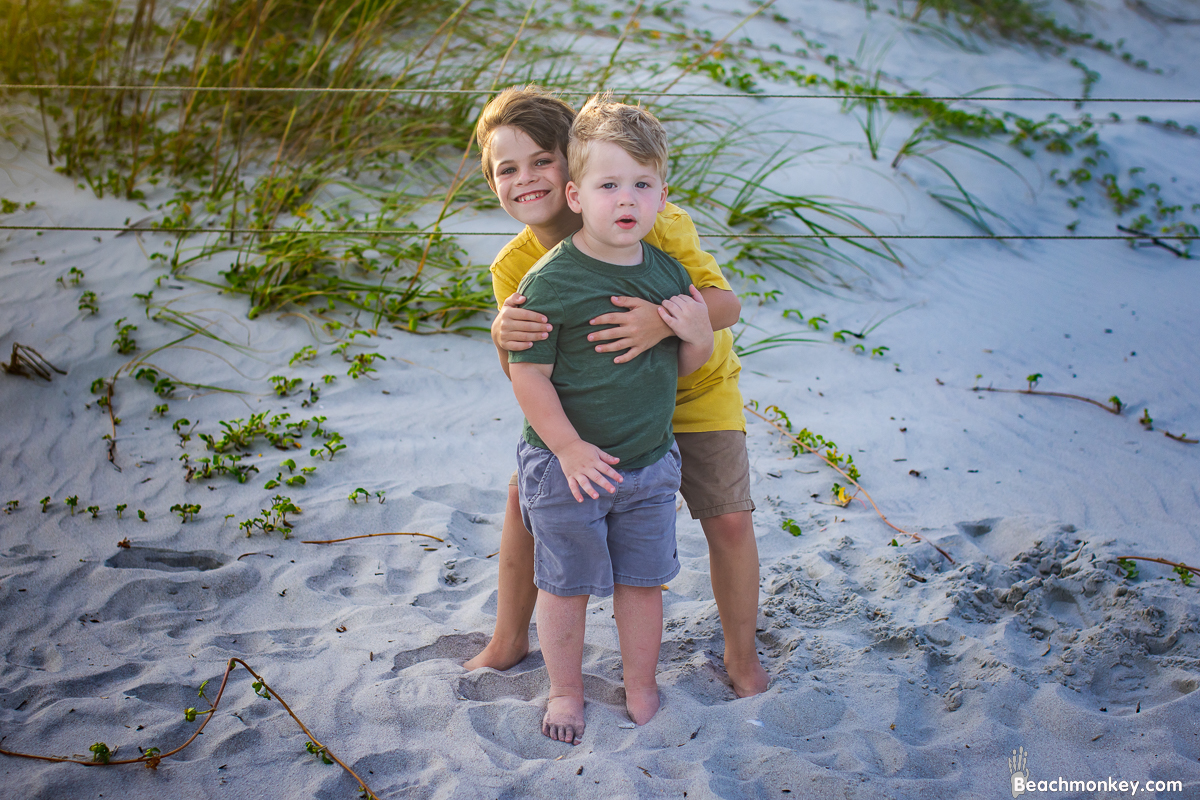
<point>564,719</point>
<point>562,733</point>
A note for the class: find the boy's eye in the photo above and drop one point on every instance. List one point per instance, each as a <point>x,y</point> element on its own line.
<point>542,162</point>
<point>643,185</point>
<point>609,185</point>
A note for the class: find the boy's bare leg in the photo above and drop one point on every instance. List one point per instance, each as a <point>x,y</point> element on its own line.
<point>515,596</point>
<point>639,614</point>
<point>733,565</point>
<point>561,622</point>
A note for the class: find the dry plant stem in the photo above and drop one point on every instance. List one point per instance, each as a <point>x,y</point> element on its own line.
<point>1180,437</point>
<point>629,26</point>
<point>1109,408</point>
<point>420,53</point>
<point>717,46</point>
<point>1161,561</point>
<point>41,96</point>
<point>1153,240</point>
<point>153,761</point>
<point>458,181</point>
<point>368,536</point>
<point>320,747</point>
<point>915,536</point>
<point>112,442</point>
<point>29,362</point>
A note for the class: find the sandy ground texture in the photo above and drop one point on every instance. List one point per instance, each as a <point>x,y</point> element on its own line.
<point>895,672</point>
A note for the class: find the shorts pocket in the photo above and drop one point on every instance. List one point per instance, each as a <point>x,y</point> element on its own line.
<point>536,467</point>
<point>676,460</point>
<point>549,468</point>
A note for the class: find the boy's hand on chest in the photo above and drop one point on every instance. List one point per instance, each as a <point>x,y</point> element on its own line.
<point>636,329</point>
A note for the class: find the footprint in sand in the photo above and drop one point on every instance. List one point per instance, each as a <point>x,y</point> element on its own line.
<point>166,560</point>
<point>508,717</point>
<point>456,647</point>
<point>465,497</point>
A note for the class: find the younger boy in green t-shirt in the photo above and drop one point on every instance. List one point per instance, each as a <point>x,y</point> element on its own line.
<point>523,134</point>
<point>585,414</point>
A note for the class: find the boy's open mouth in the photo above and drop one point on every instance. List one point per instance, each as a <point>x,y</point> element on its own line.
<point>531,196</point>
<point>626,223</point>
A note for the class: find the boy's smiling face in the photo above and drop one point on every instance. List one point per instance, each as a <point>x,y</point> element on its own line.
<point>530,182</point>
<point>619,199</point>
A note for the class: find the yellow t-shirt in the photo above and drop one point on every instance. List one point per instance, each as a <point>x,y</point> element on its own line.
<point>706,400</point>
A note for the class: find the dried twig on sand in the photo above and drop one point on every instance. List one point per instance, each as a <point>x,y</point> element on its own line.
<point>1154,240</point>
<point>1114,406</point>
<point>1176,564</point>
<point>368,536</point>
<point>788,434</point>
<point>152,757</point>
<point>30,363</point>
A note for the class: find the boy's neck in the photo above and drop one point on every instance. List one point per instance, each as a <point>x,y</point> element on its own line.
<point>554,231</point>
<point>621,256</point>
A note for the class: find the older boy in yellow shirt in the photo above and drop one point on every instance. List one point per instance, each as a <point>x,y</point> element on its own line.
<point>523,137</point>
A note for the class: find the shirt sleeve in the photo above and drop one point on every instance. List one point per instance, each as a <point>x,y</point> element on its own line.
<point>503,286</point>
<point>677,236</point>
<point>512,262</point>
<point>540,296</point>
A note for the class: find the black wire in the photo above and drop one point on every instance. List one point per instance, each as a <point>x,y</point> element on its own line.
<point>581,93</point>
<point>400,232</point>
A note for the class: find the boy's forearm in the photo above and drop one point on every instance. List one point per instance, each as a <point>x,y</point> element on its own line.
<point>503,354</point>
<point>724,307</point>
<point>500,351</point>
<point>540,404</point>
<point>693,355</point>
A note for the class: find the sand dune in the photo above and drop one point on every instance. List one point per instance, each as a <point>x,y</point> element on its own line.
<point>895,673</point>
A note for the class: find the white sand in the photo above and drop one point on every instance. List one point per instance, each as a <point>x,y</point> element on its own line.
<point>894,673</point>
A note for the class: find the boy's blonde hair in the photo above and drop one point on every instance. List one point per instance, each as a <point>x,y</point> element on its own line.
<point>531,109</point>
<point>632,128</point>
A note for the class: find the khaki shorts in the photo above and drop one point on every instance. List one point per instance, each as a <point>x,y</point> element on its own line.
<point>716,473</point>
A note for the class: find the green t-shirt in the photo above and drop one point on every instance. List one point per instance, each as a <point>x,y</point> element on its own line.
<point>624,409</point>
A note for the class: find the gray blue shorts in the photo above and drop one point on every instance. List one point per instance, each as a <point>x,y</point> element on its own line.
<point>585,548</point>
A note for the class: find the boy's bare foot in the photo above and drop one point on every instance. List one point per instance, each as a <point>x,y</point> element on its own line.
<point>564,718</point>
<point>642,704</point>
<point>499,655</point>
<point>747,675</point>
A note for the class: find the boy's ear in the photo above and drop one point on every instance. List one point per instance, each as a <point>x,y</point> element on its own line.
<point>662,201</point>
<point>572,193</point>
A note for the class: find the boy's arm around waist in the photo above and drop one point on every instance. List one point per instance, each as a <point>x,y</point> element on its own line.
<point>582,463</point>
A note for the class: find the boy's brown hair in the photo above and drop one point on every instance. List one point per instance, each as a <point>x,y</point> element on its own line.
<point>531,109</point>
<point>632,128</point>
